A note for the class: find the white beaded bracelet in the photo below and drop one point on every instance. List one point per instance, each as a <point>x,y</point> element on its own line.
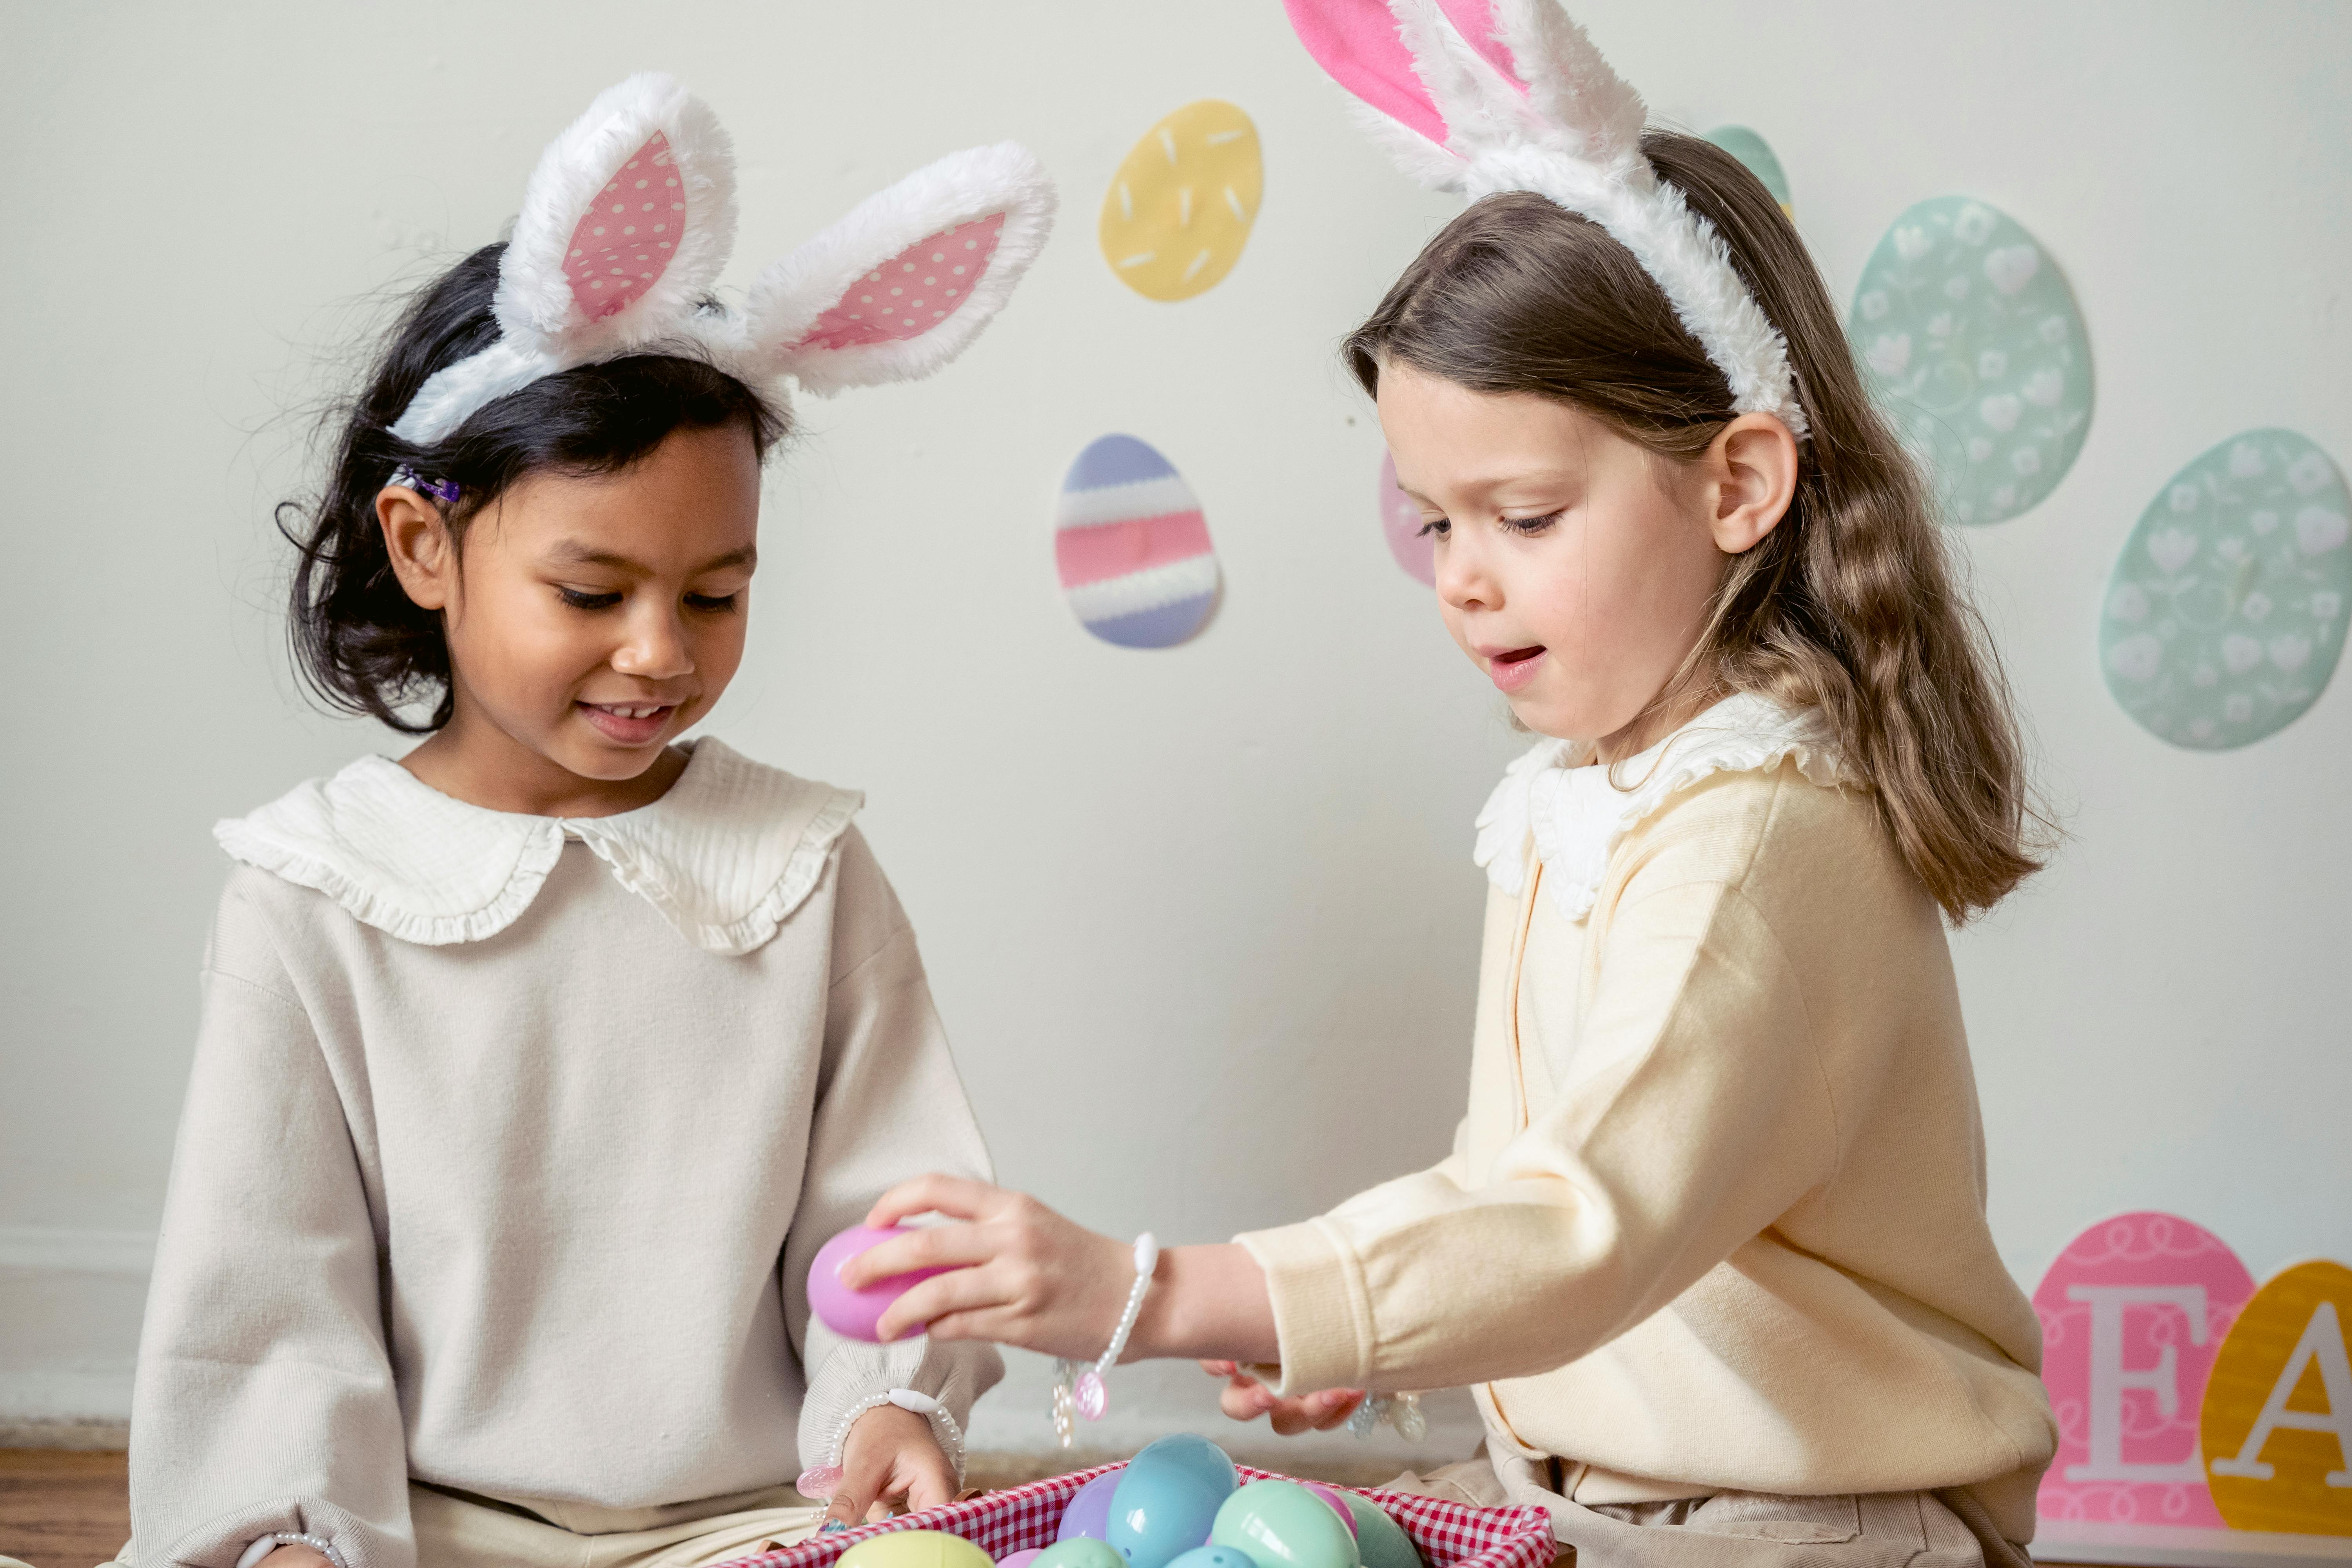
<point>1084,1392</point>
<point>823,1481</point>
<point>262,1546</point>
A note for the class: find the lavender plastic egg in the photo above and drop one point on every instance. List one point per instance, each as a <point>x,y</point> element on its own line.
<point>1088,1515</point>
<point>854,1313</point>
<point>1167,1499</point>
<point>1021,1559</point>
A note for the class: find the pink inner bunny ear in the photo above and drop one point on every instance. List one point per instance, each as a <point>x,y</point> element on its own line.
<point>1355,41</point>
<point>1474,20</point>
<point>631,232</point>
<point>912,292</point>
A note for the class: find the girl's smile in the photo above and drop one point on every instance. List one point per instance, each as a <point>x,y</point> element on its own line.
<point>629,723</point>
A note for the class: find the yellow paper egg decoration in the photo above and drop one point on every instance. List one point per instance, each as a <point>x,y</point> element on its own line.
<point>2276,1425</point>
<point>1179,208</point>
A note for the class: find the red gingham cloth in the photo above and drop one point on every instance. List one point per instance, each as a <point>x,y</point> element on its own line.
<point>1449,1534</point>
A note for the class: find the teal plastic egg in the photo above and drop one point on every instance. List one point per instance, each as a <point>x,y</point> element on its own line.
<point>1281,1524</point>
<point>1381,1541</point>
<point>2225,615</point>
<point>1168,1497</point>
<point>1975,348</point>
<point>1215,1557</point>
<point>915,1549</point>
<point>1079,1552</point>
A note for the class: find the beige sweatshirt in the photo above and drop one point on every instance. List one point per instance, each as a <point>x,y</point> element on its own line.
<point>508,1143</point>
<point>1714,1219</point>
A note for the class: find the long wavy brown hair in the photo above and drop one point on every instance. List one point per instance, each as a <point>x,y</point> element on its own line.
<point>1850,604</point>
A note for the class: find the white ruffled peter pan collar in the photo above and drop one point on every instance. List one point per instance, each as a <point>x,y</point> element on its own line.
<point>1575,811</point>
<point>725,855</point>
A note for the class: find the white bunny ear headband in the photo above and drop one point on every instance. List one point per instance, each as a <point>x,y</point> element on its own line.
<point>1482,96</point>
<point>631,215</point>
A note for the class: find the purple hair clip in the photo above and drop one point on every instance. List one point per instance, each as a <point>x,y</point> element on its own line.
<point>445,491</point>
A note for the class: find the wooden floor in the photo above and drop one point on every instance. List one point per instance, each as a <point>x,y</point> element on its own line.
<point>61,1509</point>
<point>72,1510</point>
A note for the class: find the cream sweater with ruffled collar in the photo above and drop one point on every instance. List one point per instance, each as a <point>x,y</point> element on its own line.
<point>508,1143</point>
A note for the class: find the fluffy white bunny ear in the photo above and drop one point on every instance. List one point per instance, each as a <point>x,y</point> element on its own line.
<point>625,226</point>
<point>906,281</point>
<point>1483,96</point>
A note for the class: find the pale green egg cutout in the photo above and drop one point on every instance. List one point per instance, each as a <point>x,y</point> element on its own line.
<point>2225,616</point>
<point>1757,153</point>
<point>1975,347</point>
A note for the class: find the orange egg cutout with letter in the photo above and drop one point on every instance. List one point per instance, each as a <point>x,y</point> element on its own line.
<point>2277,1427</point>
<point>1181,206</point>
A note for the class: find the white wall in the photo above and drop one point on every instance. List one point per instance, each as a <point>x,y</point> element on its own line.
<point>1201,922</point>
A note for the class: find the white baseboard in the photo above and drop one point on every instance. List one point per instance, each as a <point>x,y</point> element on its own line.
<point>69,1307</point>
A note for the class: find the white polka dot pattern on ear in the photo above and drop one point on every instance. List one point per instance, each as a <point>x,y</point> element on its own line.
<point>629,235</point>
<point>912,292</point>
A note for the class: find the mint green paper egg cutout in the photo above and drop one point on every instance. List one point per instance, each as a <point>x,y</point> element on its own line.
<point>2225,616</point>
<point>1975,347</point>
<point>1757,153</point>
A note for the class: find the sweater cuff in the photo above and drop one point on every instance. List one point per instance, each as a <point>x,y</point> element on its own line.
<point>1322,1312</point>
<point>850,1380</point>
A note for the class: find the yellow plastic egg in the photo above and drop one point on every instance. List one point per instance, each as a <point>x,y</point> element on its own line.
<point>1179,208</point>
<point>915,1549</point>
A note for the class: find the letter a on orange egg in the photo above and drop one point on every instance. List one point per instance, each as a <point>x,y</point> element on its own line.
<point>1179,208</point>
<point>2277,1423</point>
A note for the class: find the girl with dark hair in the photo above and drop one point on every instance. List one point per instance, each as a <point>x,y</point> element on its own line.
<point>1711,1248</point>
<point>535,1066</point>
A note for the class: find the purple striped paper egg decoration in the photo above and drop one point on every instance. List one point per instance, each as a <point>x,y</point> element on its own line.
<point>1131,547</point>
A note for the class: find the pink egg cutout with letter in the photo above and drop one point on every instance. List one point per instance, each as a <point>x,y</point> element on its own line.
<point>2132,1313</point>
<point>1400,526</point>
<point>854,1313</point>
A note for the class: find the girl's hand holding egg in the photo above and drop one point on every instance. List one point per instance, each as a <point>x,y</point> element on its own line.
<point>1019,1274</point>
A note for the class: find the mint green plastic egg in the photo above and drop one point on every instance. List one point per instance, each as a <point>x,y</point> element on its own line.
<point>915,1549</point>
<point>1281,1524</point>
<point>1381,1541</point>
<point>1079,1552</point>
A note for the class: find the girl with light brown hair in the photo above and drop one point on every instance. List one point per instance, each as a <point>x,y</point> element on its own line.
<point>1711,1248</point>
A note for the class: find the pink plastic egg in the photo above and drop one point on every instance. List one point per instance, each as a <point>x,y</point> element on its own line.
<point>850,1312</point>
<point>1338,1505</point>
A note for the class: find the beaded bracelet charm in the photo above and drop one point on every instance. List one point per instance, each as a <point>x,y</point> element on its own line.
<point>1400,1411</point>
<point>823,1481</point>
<point>1083,1393</point>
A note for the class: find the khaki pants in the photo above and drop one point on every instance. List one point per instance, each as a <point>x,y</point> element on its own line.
<point>1742,1530</point>
<point>454,1531</point>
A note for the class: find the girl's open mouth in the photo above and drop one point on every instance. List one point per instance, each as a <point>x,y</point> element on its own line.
<point>630,723</point>
<point>1511,670</point>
